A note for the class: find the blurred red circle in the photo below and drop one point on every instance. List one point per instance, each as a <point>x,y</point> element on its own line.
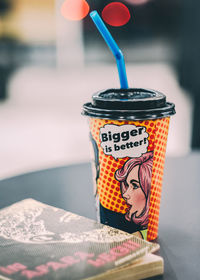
<point>116,14</point>
<point>75,9</point>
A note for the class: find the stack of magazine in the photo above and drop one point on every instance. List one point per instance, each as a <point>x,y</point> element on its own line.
<point>38,241</point>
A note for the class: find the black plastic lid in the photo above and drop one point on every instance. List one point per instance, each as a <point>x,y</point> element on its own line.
<point>129,104</point>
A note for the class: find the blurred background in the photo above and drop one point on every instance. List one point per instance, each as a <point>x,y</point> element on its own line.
<point>50,66</point>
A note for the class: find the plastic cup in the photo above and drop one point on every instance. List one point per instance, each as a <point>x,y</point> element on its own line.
<point>128,132</point>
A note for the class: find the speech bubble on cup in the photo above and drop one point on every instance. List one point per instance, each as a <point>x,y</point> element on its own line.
<point>121,141</point>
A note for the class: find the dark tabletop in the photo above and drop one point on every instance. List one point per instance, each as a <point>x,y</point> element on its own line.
<point>70,188</point>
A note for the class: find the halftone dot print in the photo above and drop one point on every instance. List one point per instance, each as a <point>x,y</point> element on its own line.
<point>157,175</point>
<point>109,187</point>
<point>116,14</point>
<point>75,9</point>
<point>109,163</point>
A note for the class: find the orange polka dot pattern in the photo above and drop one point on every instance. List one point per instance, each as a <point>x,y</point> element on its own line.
<point>160,143</point>
<point>109,188</point>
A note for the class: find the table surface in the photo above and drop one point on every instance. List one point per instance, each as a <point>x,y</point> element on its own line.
<point>70,188</point>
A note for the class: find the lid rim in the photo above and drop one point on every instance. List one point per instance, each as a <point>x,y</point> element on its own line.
<point>130,118</point>
<point>130,115</point>
<point>89,106</point>
<point>129,104</point>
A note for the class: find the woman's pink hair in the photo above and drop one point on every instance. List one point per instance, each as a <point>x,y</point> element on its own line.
<point>145,163</point>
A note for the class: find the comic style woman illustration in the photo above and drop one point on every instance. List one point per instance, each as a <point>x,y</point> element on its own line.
<point>135,184</point>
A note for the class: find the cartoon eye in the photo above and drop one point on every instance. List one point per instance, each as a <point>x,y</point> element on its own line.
<point>135,186</point>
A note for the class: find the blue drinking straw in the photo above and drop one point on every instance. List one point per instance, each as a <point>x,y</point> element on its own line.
<point>113,47</point>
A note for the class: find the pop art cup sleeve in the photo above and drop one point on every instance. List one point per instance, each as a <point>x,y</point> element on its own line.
<point>128,165</point>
